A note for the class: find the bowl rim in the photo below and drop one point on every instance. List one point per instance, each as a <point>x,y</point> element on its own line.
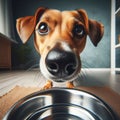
<point>42,92</point>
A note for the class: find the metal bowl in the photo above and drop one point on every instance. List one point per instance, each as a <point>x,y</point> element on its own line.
<point>61,104</point>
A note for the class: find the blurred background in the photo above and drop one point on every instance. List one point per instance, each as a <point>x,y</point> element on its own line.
<point>98,63</point>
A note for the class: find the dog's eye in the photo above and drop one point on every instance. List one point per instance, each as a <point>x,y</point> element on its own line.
<point>78,31</point>
<point>43,28</point>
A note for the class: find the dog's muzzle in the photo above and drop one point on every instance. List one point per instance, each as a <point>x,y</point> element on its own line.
<point>61,64</point>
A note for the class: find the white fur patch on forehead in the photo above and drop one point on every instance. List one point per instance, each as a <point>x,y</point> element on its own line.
<point>65,46</point>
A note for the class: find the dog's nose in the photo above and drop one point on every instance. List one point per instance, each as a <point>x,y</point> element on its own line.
<point>61,63</point>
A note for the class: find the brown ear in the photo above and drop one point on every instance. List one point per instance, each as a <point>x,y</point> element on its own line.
<point>84,17</point>
<point>26,25</point>
<point>96,31</point>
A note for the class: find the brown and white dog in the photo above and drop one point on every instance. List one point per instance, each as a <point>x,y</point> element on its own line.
<point>59,37</point>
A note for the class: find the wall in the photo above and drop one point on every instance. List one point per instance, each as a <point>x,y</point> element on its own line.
<point>117,42</point>
<point>6,18</point>
<point>92,57</point>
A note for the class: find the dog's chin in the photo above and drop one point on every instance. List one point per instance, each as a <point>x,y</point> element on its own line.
<point>57,79</point>
<point>63,79</point>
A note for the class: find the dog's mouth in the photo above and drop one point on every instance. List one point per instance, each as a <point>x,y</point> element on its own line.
<point>62,65</point>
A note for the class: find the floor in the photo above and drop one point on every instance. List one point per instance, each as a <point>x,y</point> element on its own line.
<point>33,78</point>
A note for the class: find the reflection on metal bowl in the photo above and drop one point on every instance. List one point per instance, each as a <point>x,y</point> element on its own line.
<point>61,104</point>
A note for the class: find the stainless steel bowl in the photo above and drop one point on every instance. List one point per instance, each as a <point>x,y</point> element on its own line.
<point>61,104</point>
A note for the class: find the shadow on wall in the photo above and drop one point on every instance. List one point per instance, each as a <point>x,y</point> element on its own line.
<point>24,56</point>
<point>22,51</point>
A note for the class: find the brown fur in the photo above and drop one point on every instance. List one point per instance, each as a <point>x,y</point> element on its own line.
<point>61,25</point>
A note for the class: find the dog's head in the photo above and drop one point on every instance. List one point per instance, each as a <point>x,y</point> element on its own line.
<point>59,37</point>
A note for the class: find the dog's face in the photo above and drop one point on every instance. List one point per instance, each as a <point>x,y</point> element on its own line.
<point>60,37</point>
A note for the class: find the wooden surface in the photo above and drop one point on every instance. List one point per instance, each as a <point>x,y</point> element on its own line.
<point>105,93</point>
<point>5,53</point>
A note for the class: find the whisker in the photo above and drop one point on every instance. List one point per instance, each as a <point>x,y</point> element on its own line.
<point>33,66</point>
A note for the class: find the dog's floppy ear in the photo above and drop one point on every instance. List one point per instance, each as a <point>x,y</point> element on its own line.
<point>96,31</point>
<point>26,25</point>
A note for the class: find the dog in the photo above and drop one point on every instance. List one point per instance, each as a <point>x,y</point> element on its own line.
<point>60,37</point>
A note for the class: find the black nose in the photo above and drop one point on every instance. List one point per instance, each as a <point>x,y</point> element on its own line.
<point>60,63</point>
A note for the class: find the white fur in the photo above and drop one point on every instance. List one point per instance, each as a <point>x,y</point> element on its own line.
<point>66,47</point>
